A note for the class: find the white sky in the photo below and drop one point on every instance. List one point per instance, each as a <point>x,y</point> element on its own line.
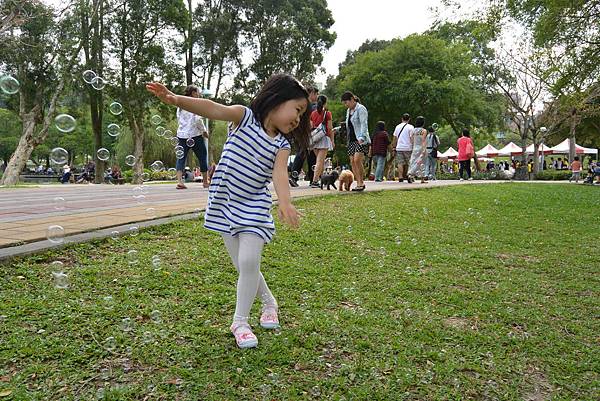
<point>359,20</point>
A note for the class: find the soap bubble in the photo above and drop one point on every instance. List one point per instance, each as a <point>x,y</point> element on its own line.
<point>113,129</point>
<point>414,241</point>
<point>134,230</point>
<point>398,240</point>
<point>155,316</point>
<point>179,154</point>
<point>127,324</point>
<point>57,265</point>
<point>55,234</point>
<point>114,235</point>
<point>174,141</point>
<point>61,281</point>
<point>115,108</point>
<point>140,199</point>
<point>103,154</point>
<point>172,173</point>
<point>132,64</point>
<point>110,343</point>
<point>147,337</point>
<point>190,142</point>
<point>349,229</point>
<point>98,83</point>
<point>435,126</point>
<point>295,174</point>
<point>425,211</point>
<point>130,160</point>
<point>471,211</point>
<point>155,119</point>
<point>151,213</point>
<point>145,177</point>
<point>466,224</point>
<point>88,76</point>
<point>59,203</point>
<point>64,123</point>
<point>179,148</point>
<point>421,263</point>
<point>157,166</point>
<point>496,202</point>
<point>160,130</point>
<point>132,257</point>
<point>168,133</point>
<point>9,85</point>
<point>314,166</point>
<point>156,262</point>
<point>355,260</point>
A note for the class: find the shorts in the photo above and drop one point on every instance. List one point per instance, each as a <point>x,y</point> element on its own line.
<point>355,147</point>
<point>403,156</point>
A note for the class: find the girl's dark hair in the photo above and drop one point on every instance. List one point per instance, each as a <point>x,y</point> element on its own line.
<point>380,126</point>
<point>277,90</point>
<point>466,133</point>
<point>189,90</point>
<point>350,96</point>
<point>419,122</point>
<point>321,102</point>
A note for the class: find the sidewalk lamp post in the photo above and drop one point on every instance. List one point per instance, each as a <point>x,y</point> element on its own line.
<point>543,131</point>
<point>207,94</point>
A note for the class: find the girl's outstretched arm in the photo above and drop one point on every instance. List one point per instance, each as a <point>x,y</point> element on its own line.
<point>203,107</point>
<point>287,212</point>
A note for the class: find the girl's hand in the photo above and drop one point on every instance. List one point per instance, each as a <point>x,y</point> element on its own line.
<point>289,215</point>
<point>161,92</point>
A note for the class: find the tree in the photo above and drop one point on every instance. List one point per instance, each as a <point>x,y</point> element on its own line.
<point>41,54</point>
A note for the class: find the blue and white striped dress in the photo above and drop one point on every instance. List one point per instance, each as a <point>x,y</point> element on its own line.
<point>239,200</point>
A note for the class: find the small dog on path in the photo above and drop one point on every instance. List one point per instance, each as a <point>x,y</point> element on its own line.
<point>346,179</point>
<point>329,179</point>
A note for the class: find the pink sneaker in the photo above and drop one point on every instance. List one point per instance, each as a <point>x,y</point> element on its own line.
<point>269,319</point>
<point>244,337</point>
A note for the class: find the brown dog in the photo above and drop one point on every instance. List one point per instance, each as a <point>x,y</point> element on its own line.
<point>346,179</point>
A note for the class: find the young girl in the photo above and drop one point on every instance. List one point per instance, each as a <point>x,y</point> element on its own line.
<point>256,151</point>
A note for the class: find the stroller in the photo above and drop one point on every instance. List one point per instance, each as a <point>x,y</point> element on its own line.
<point>593,174</point>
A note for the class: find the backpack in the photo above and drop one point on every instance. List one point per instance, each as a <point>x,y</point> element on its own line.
<point>435,143</point>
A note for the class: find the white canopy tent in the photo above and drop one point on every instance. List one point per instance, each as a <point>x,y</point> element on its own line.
<point>510,150</point>
<point>563,148</point>
<point>487,151</point>
<point>449,154</point>
<point>546,149</point>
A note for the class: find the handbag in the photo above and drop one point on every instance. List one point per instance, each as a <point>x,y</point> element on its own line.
<point>470,150</point>
<point>319,132</point>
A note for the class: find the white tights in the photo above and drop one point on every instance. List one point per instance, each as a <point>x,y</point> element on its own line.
<point>245,250</point>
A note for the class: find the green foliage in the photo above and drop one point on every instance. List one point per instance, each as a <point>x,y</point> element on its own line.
<point>422,75</point>
<point>553,175</point>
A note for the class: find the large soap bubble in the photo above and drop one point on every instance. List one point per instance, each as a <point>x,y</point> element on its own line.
<point>64,123</point>
<point>55,234</point>
<point>98,83</point>
<point>9,85</point>
<point>59,156</point>
<point>113,130</point>
<point>155,119</point>
<point>157,166</point>
<point>130,160</point>
<point>103,154</point>
<point>115,108</point>
<point>88,76</point>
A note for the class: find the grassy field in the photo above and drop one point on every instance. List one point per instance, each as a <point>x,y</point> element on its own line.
<point>485,292</point>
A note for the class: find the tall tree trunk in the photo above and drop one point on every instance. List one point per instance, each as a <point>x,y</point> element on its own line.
<point>536,157</point>
<point>189,60</point>
<point>26,145</point>
<point>574,122</point>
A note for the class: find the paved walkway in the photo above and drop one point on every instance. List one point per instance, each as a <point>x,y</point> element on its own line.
<point>97,210</point>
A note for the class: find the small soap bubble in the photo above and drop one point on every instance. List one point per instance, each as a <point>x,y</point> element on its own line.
<point>132,64</point>
<point>295,174</point>
<point>157,166</point>
<point>108,302</point>
<point>140,199</point>
<point>466,224</point>
<point>113,130</point>
<point>59,203</point>
<point>110,343</point>
<point>314,166</point>
<point>127,324</point>
<point>172,173</point>
<point>168,133</point>
<point>151,213</point>
<point>145,177</point>
<point>57,265</point>
<point>414,241</point>
<point>134,230</point>
<point>471,211</point>
<point>398,240</point>
<point>496,201</point>
<point>103,154</point>
<point>156,316</point>
<point>156,119</point>
<point>190,142</point>
<point>156,263</point>
<point>179,154</point>
<point>59,156</point>
<point>61,280</point>
<point>88,76</point>
<point>132,256</point>
<point>435,126</point>
<point>115,108</point>
<point>355,260</point>
<point>55,234</point>
<point>179,148</point>
<point>174,141</point>
<point>425,211</point>
<point>64,123</point>
<point>98,83</point>
<point>421,263</point>
<point>349,229</point>
<point>147,337</point>
<point>130,160</point>
<point>114,235</point>
<point>105,373</point>
<point>9,85</point>
<point>160,130</point>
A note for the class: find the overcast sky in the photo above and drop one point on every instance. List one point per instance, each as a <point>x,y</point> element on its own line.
<point>359,20</point>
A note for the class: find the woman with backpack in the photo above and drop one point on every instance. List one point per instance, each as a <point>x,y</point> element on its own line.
<point>321,116</point>
<point>466,151</point>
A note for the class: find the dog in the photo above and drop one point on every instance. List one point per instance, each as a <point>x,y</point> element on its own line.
<point>346,179</point>
<point>329,179</point>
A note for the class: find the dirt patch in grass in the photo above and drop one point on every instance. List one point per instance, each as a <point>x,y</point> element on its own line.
<point>460,323</point>
<point>537,386</point>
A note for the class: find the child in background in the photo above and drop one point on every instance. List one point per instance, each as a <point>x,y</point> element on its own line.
<point>576,169</point>
<point>239,202</point>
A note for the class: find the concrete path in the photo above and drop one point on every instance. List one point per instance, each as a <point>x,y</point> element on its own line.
<point>95,211</point>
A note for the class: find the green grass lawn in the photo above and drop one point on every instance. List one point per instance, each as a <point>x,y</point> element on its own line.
<point>485,292</point>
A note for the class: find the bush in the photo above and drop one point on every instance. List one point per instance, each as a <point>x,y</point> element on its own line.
<point>553,175</point>
<point>477,175</point>
<point>154,175</point>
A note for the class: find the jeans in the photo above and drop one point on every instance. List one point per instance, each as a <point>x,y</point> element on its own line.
<point>380,163</point>
<point>430,166</point>
<point>465,165</point>
<point>199,149</point>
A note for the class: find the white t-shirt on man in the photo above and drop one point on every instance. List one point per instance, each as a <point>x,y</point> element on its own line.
<point>402,132</point>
